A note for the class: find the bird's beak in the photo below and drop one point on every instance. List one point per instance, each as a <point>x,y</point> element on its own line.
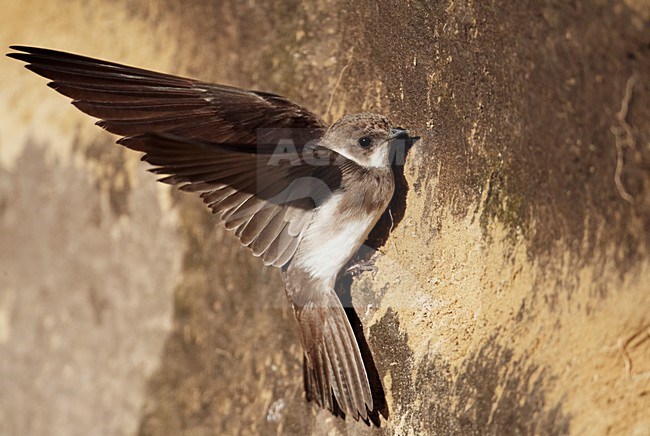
<point>400,142</point>
<point>399,133</point>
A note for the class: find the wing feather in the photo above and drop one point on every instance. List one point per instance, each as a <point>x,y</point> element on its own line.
<point>133,101</point>
<point>206,138</point>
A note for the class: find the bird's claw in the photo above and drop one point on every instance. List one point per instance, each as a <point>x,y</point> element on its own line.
<point>361,266</point>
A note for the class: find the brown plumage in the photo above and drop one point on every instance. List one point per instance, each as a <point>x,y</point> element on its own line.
<point>305,208</point>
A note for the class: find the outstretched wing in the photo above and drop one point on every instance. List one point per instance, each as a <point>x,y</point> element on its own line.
<point>266,198</point>
<point>213,139</point>
<point>131,101</point>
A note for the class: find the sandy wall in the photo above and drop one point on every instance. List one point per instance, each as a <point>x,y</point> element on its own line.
<point>513,285</point>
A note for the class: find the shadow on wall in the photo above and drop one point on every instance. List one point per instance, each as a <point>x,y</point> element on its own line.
<point>475,399</point>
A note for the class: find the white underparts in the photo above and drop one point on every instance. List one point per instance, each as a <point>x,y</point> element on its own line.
<point>332,239</point>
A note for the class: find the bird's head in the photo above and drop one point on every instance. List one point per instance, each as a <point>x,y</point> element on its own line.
<point>365,139</point>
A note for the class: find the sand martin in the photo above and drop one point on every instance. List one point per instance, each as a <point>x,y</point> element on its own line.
<point>302,195</point>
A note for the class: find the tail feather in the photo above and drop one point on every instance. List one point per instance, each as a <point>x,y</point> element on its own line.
<point>333,367</point>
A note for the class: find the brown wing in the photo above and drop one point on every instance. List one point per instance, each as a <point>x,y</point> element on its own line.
<point>266,198</point>
<point>212,139</point>
<point>131,101</point>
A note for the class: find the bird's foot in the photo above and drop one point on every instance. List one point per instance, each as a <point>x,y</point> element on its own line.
<point>361,266</point>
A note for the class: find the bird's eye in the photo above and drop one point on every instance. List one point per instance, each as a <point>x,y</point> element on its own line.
<point>365,142</point>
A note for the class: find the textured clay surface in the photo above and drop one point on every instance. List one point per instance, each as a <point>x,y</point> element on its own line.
<point>513,287</point>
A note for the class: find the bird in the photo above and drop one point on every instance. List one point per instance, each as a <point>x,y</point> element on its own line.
<point>301,195</point>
